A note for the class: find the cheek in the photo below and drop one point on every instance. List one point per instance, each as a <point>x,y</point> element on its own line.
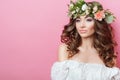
<point>90,24</point>
<point>77,25</point>
<point>90,28</point>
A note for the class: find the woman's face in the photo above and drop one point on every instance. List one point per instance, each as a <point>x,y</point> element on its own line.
<point>85,26</point>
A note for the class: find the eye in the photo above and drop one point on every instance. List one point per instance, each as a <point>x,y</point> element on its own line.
<point>77,20</point>
<point>89,20</point>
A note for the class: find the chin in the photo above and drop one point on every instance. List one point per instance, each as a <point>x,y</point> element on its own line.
<point>85,36</point>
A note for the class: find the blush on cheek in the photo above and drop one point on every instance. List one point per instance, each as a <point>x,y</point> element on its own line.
<point>92,31</point>
<point>91,27</point>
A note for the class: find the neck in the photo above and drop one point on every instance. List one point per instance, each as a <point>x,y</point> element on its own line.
<point>87,43</point>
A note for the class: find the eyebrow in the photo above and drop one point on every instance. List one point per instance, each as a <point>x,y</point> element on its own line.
<point>85,17</point>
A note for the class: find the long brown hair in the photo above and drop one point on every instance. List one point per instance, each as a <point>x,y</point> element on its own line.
<point>103,40</point>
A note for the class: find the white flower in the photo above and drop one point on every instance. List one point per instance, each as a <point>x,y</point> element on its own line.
<point>71,5</point>
<point>84,7</point>
<point>95,8</point>
<point>87,12</point>
<point>73,12</point>
<point>77,9</point>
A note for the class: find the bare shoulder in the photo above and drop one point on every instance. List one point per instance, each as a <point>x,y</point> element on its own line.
<point>115,60</point>
<point>62,52</point>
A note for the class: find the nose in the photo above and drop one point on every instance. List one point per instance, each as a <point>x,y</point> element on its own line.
<point>82,24</point>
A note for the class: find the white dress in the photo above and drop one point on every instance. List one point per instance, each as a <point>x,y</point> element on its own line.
<point>74,70</point>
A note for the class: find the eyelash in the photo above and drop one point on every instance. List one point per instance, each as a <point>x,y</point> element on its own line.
<point>89,20</point>
<point>77,20</point>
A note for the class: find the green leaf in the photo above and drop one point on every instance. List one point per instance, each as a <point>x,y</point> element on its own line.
<point>109,19</point>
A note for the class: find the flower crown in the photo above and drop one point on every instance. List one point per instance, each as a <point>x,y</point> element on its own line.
<point>95,10</point>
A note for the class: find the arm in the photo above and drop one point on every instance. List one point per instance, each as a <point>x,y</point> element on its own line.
<point>59,70</point>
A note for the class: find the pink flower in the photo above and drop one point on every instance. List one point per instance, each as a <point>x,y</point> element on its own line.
<point>99,15</point>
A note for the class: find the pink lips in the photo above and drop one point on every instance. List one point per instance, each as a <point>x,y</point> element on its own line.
<point>83,31</point>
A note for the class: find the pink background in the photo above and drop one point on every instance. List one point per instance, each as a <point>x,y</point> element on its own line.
<point>30,34</point>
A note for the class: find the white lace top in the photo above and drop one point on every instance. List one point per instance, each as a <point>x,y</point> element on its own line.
<point>74,70</point>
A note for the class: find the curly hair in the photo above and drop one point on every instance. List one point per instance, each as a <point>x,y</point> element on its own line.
<point>103,40</point>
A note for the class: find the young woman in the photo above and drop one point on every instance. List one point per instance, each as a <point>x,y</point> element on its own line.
<point>87,49</point>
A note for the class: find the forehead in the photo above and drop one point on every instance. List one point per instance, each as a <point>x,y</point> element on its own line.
<point>85,16</point>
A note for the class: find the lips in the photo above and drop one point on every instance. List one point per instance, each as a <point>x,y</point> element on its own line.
<point>83,31</point>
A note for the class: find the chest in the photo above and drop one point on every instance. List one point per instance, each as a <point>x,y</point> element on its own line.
<point>88,57</point>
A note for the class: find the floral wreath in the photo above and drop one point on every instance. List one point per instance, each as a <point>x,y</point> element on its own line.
<point>80,7</point>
